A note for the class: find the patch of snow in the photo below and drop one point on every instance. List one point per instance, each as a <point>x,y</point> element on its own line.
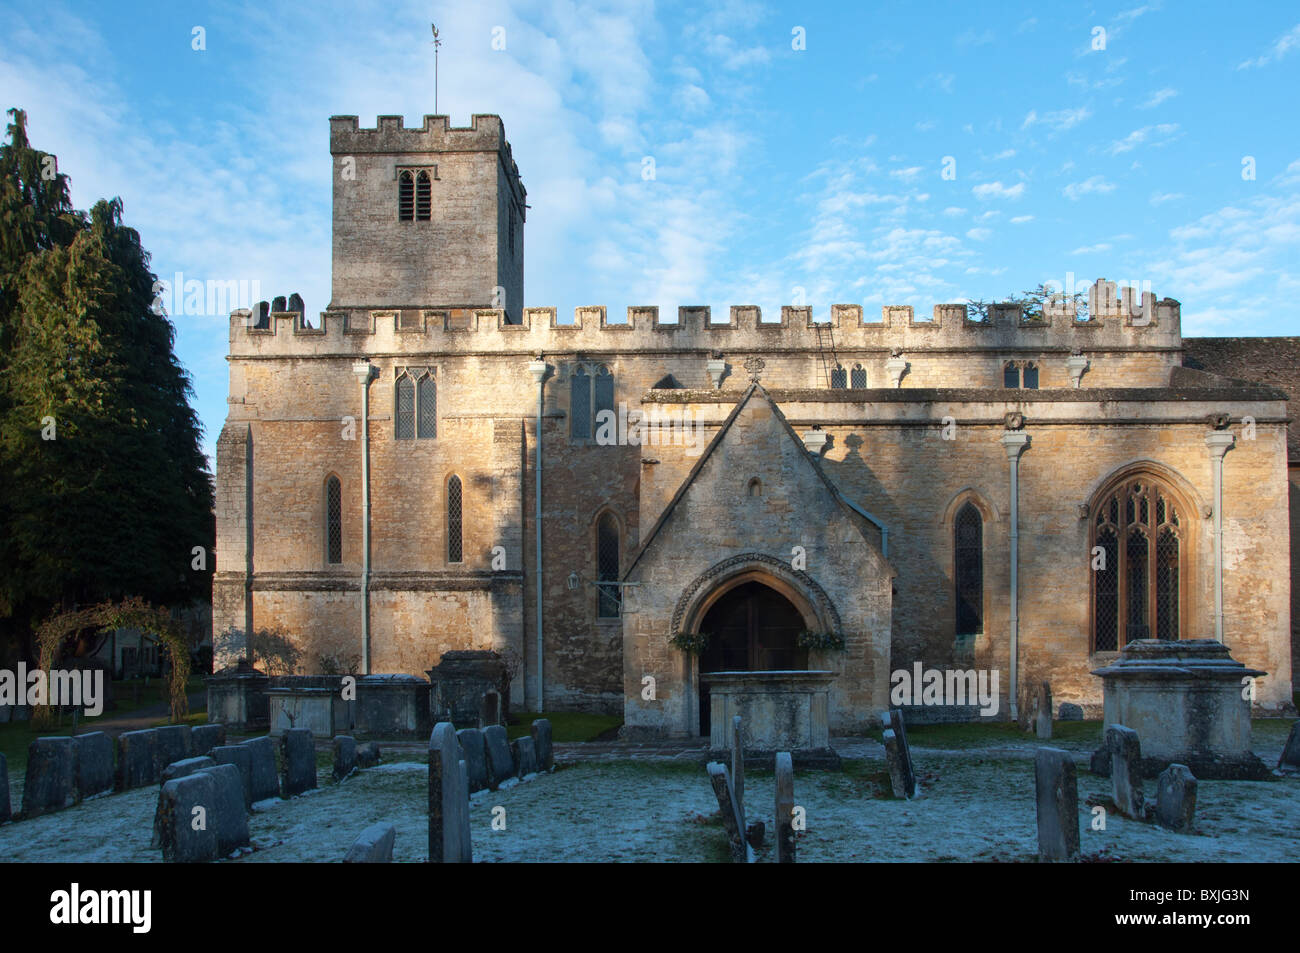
<point>266,804</point>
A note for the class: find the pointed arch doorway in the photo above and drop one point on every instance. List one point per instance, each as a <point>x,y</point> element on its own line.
<point>752,628</point>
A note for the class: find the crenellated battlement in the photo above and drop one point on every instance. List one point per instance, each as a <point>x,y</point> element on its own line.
<point>1116,322</point>
<point>485,133</point>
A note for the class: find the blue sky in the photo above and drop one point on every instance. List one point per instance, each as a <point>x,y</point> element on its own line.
<point>781,174</point>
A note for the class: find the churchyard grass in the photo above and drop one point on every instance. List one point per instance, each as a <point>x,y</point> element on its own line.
<point>566,726</point>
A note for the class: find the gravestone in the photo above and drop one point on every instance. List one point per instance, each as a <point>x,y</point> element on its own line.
<point>137,759</point>
<point>51,780</point>
<point>185,767</point>
<point>368,755</point>
<point>902,775</point>
<point>174,744</point>
<point>181,843</point>
<point>474,751</point>
<point>6,810</point>
<point>94,763</point>
<point>263,775</point>
<point>345,756</point>
<point>500,762</point>
<point>1069,711</point>
<point>1289,762</point>
<point>542,744</point>
<point>525,757</point>
<point>297,762</point>
<point>1044,719</point>
<point>1057,797</point>
<point>242,758</point>
<point>227,815</point>
<point>448,799</point>
<point>374,845</point>
<point>1176,798</point>
<point>203,738</point>
<point>722,789</point>
<point>459,681</point>
<point>466,848</point>
<point>738,767</point>
<point>1125,769</point>
<point>784,808</point>
<point>177,769</point>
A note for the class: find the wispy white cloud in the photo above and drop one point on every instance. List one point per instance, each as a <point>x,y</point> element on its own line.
<point>1094,185</point>
<point>1282,47</point>
<point>1158,97</point>
<point>1057,121</point>
<point>1092,249</point>
<point>987,191</point>
<point>1160,198</point>
<point>1156,135</point>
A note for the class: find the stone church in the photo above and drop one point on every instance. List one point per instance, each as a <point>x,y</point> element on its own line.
<point>619,504</point>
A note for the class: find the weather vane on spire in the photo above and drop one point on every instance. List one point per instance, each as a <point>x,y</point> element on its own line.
<point>436,43</point>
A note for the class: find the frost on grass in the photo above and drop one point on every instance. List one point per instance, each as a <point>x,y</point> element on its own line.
<point>975,806</point>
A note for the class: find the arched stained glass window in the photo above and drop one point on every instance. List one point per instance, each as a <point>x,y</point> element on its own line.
<point>427,407</point>
<point>404,408</point>
<point>968,570</point>
<point>455,524</point>
<point>607,567</point>
<point>1135,554</point>
<point>839,377</point>
<point>333,520</point>
<point>858,379</point>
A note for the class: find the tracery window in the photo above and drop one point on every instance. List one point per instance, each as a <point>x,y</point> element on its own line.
<point>415,404</point>
<point>839,377</point>
<point>858,378</point>
<point>423,197</point>
<point>1135,553</point>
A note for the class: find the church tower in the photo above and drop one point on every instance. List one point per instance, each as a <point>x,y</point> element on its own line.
<point>426,218</point>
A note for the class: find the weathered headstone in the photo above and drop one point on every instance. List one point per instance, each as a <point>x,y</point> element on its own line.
<point>94,763</point>
<point>297,762</point>
<point>738,766</point>
<point>475,754</point>
<point>185,767</point>
<point>1176,798</point>
<point>6,811</point>
<point>345,756</point>
<point>1043,722</point>
<point>137,759</point>
<point>227,814</point>
<point>174,744</point>
<point>242,758</point>
<point>203,738</point>
<point>177,769</point>
<point>525,756</point>
<point>542,744</point>
<point>1289,762</point>
<point>188,832</point>
<point>500,762</point>
<point>784,808</point>
<point>51,780</point>
<point>1125,769</point>
<point>374,845</point>
<point>448,799</point>
<point>263,776</point>
<point>466,848</point>
<point>1069,711</point>
<point>722,789</point>
<point>1057,797</point>
<point>368,755</point>
<point>898,756</point>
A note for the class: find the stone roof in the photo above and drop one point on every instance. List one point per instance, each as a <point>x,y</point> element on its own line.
<point>1274,362</point>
